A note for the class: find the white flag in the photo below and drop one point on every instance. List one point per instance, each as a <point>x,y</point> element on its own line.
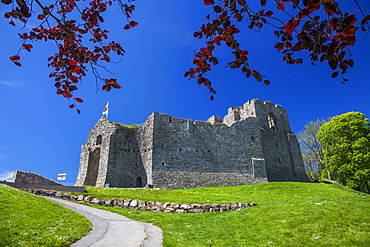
<point>105,111</point>
<point>62,176</point>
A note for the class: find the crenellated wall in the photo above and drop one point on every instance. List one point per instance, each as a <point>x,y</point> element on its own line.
<point>252,144</point>
<point>198,154</point>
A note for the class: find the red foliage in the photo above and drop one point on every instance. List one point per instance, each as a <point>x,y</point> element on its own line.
<point>326,37</point>
<point>72,58</point>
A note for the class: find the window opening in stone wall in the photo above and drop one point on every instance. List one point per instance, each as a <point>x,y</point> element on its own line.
<point>99,140</point>
<point>272,121</point>
<point>279,161</point>
<point>277,146</point>
<point>139,182</point>
<point>252,138</point>
<point>162,163</point>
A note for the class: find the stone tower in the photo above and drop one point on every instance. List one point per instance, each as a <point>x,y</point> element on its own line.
<point>252,144</point>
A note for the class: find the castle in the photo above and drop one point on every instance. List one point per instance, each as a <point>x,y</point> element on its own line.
<point>251,144</point>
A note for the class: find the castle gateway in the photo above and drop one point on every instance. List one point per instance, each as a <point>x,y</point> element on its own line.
<point>252,144</point>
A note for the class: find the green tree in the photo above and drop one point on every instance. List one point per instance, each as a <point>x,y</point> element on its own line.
<point>312,149</point>
<point>346,148</point>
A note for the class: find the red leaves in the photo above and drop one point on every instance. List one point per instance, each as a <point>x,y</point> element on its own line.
<point>15,58</point>
<point>291,25</point>
<point>109,84</point>
<point>6,1</point>
<point>280,6</point>
<point>72,62</point>
<point>221,30</point>
<point>72,57</point>
<point>27,47</point>
<point>217,9</point>
<point>131,25</point>
<point>366,19</point>
<point>208,2</point>
<point>79,100</point>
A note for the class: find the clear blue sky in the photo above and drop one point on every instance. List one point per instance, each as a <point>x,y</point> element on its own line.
<point>40,134</point>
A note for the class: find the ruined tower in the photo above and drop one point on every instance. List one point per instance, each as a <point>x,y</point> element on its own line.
<point>252,144</point>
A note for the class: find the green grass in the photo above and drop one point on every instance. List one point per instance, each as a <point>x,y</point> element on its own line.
<point>287,214</point>
<point>130,126</point>
<point>29,220</point>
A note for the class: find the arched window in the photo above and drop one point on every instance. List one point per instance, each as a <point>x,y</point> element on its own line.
<point>99,140</point>
<point>272,121</point>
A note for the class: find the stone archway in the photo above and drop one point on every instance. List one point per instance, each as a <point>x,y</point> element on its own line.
<point>92,168</point>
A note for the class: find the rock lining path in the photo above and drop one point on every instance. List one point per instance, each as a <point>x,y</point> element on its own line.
<point>110,229</point>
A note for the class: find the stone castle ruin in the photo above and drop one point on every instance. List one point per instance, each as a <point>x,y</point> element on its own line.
<point>251,144</point>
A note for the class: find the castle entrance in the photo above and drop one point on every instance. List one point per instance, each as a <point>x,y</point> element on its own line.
<point>92,168</point>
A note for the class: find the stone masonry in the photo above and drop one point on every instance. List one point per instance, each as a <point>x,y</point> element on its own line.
<point>30,178</point>
<point>251,144</point>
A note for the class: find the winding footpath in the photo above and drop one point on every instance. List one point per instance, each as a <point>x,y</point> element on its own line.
<point>110,229</point>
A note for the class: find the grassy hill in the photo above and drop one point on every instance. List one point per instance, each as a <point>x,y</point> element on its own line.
<point>29,220</point>
<point>287,214</point>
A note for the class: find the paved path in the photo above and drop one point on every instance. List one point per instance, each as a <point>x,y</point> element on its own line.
<point>110,229</point>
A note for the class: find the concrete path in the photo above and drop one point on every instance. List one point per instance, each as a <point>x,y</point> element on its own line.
<point>110,229</point>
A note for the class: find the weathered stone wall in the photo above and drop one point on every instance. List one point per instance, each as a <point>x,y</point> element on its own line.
<point>131,156</point>
<point>252,144</point>
<point>45,187</point>
<point>280,146</point>
<point>21,177</point>
<point>199,154</point>
<point>94,155</point>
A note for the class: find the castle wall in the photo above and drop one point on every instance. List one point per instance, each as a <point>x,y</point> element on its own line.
<point>30,178</point>
<point>130,157</point>
<point>252,144</point>
<point>198,154</point>
<point>280,146</point>
<point>94,155</point>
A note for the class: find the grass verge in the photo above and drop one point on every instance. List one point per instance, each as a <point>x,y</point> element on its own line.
<point>287,214</point>
<point>29,220</point>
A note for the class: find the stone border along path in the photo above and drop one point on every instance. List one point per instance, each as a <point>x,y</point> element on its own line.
<point>110,229</point>
<point>147,205</point>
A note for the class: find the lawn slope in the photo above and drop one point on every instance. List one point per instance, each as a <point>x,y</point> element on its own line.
<point>287,214</point>
<point>29,220</point>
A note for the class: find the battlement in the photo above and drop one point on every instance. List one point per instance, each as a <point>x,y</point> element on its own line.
<point>253,143</point>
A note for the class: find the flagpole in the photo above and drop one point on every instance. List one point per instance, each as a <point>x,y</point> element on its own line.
<point>107,110</point>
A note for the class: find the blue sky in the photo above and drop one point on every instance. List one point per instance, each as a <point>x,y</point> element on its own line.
<point>40,134</point>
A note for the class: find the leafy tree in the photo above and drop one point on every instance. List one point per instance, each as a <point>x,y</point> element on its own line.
<point>319,27</point>
<point>346,142</point>
<point>311,148</point>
